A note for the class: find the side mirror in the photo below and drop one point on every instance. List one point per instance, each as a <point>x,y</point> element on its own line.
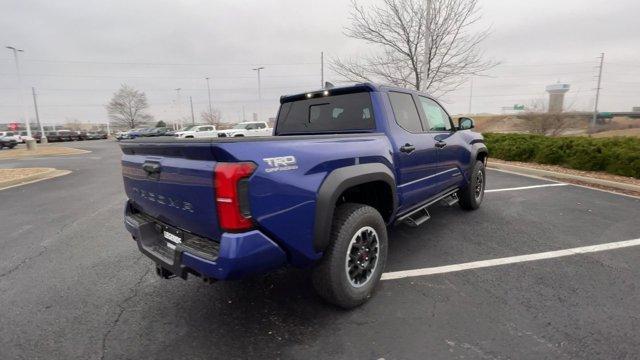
<point>465,123</point>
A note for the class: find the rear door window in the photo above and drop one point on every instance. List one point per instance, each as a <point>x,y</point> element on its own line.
<point>405,111</point>
<point>346,112</point>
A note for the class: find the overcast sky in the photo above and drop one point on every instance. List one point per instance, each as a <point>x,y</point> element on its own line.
<point>78,52</point>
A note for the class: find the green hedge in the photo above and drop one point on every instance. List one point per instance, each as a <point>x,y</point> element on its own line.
<point>617,155</point>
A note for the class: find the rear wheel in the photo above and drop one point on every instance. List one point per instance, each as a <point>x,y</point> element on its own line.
<point>471,196</point>
<point>355,259</point>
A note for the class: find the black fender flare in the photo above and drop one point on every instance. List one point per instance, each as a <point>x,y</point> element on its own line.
<point>478,146</point>
<point>335,184</point>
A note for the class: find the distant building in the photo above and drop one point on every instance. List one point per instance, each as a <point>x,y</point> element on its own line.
<point>635,109</point>
<point>556,96</point>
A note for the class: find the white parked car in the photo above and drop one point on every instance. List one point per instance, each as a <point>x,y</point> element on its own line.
<point>11,134</point>
<point>250,128</point>
<point>197,131</point>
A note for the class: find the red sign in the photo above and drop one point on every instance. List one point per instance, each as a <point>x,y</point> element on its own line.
<point>12,126</point>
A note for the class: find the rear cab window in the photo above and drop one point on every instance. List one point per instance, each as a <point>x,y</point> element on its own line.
<point>323,114</point>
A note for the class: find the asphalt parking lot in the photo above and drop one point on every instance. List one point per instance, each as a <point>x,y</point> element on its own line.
<point>74,286</point>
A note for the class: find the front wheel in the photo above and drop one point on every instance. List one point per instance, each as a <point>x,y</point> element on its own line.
<point>355,259</point>
<point>471,196</point>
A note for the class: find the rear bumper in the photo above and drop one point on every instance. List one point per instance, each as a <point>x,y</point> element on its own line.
<point>235,256</point>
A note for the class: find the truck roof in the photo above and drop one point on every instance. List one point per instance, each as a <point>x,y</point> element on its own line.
<point>346,89</point>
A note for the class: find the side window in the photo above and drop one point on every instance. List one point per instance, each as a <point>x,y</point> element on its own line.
<point>405,112</point>
<point>262,126</point>
<point>436,116</point>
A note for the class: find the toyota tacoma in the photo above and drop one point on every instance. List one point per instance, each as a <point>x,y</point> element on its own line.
<point>344,164</point>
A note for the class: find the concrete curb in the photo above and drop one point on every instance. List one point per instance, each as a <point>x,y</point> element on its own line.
<point>556,175</point>
<point>22,156</point>
<point>49,174</point>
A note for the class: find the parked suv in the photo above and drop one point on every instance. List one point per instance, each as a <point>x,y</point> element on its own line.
<point>157,131</point>
<point>8,142</point>
<point>11,134</point>
<point>67,135</point>
<point>34,135</point>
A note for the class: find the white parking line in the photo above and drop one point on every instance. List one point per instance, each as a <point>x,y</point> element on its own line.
<point>526,187</point>
<point>509,260</point>
<point>576,185</point>
<point>520,174</point>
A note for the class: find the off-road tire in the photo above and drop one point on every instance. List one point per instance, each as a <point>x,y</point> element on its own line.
<point>469,198</point>
<point>330,277</point>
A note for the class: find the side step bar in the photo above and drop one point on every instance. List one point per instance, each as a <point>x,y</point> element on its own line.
<point>450,200</point>
<point>417,217</point>
<point>420,214</point>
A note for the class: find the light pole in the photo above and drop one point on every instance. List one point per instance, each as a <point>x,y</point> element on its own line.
<point>427,46</point>
<point>178,106</point>
<point>209,93</point>
<point>322,69</point>
<point>595,106</point>
<point>193,118</point>
<point>20,98</point>
<point>43,138</point>
<point>259,90</point>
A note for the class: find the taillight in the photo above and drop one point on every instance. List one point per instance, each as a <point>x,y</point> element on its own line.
<point>232,199</point>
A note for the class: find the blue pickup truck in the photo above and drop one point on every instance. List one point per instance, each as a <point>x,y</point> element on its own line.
<point>342,166</point>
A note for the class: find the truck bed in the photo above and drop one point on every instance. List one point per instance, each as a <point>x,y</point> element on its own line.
<point>282,200</point>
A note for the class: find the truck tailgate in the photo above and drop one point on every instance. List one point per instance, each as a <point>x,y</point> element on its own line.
<point>173,184</point>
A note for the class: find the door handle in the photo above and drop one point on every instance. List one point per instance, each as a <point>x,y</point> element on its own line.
<point>407,148</point>
<point>441,144</point>
<point>151,167</point>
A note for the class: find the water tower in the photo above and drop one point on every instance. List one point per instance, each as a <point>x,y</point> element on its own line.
<point>556,96</point>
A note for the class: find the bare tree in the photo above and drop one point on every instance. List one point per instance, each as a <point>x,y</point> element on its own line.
<point>538,121</point>
<point>397,29</point>
<point>126,108</point>
<point>212,118</point>
<point>72,124</point>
